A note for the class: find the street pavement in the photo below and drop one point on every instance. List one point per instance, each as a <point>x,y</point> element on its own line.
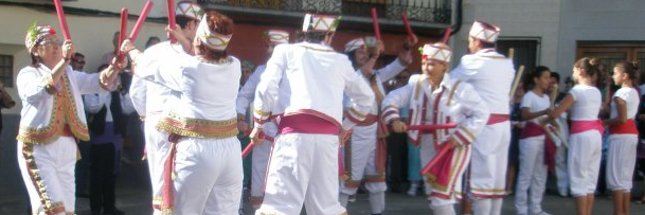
<point>133,198</point>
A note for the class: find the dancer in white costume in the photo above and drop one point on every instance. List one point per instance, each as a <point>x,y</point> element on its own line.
<point>623,138</point>
<point>53,119</point>
<point>491,75</point>
<point>585,140</point>
<point>202,173</point>
<point>261,151</point>
<point>303,85</point>
<point>434,98</point>
<point>535,106</point>
<point>365,155</point>
<point>151,100</point>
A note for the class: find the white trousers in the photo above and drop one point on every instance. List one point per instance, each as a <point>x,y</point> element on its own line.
<point>363,165</point>
<point>303,169</point>
<point>48,173</point>
<point>363,159</point>
<point>561,170</point>
<point>584,162</point>
<point>260,160</point>
<point>621,161</point>
<point>157,147</point>
<point>532,176</point>
<point>208,176</point>
<point>489,161</point>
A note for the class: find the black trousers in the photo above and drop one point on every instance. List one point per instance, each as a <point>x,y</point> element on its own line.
<point>102,177</point>
<point>397,164</point>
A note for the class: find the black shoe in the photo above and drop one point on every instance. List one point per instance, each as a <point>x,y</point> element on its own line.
<point>113,211</point>
<point>96,212</point>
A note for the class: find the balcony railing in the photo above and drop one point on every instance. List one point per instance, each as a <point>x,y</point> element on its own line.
<point>426,11</point>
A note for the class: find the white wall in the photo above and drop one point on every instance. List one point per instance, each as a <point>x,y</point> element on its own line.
<point>597,20</point>
<point>91,35</point>
<point>516,18</point>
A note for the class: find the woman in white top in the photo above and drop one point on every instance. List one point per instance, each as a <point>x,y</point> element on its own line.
<point>583,102</point>
<point>535,107</point>
<point>202,173</point>
<point>623,138</point>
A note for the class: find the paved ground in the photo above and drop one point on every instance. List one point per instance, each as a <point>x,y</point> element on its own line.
<point>133,198</point>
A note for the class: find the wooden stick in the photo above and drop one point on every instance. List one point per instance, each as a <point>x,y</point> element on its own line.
<point>406,23</point>
<point>377,31</point>
<point>62,20</point>
<point>142,18</point>
<point>171,18</point>
<point>446,35</point>
<point>122,33</point>
<point>432,127</point>
<point>511,53</point>
<point>516,82</point>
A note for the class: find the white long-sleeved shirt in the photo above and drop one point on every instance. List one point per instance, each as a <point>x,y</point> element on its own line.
<point>38,122</point>
<point>148,96</point>
<point>453,101</point>
<point>95,102</point>
<point>247,93</point>
<point>310,78</point>
<point>382,75</point>
<point>491,74</point>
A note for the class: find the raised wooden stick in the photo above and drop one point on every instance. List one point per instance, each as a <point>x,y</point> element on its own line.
<point>377,31</point>
<point>516,82</point>
<point>62,20</point>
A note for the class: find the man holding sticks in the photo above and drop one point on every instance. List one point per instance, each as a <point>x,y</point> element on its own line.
<point>366,154</point>
<point>304,84</point>
<point>151,99</point>
<point>491,74</point>
<point>446,114</point>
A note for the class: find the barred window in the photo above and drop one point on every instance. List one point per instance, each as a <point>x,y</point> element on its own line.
<point>6,70</point>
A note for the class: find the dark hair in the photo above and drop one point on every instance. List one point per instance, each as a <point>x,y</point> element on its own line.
<point>220,24</point>
<point>488,45</point>
<point>537,72</point>
<point>352,58</point>
<point>556,75</point>
<point>183,21</point>
<point>629,68</point>
<point>34,60</point>
<point>591,69</point>
<point>316,36</point>
<point>78,54</point>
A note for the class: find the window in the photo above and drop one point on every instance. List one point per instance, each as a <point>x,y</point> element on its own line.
<point>6,70</point>
<point>525,51</point>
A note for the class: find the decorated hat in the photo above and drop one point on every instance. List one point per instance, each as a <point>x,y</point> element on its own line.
<point>320,23</point>
<point>436,51</point>
<point>359,42</point>
<point>484,31</point>
<point>277,36</point>
<point>36,34</point>
<point>189,9</point>
<point>211,39</point>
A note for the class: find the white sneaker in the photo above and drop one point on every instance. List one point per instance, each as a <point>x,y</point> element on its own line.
<point>412,191</point>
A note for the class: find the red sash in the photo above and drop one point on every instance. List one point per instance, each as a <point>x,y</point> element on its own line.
<point>532,129</point>
<point>306,123</point>
<point>628,127</point>
<point>497,118</point>
<point>579,126</point>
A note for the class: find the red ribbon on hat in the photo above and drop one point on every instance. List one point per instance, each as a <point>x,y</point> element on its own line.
<point>61,19</point>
